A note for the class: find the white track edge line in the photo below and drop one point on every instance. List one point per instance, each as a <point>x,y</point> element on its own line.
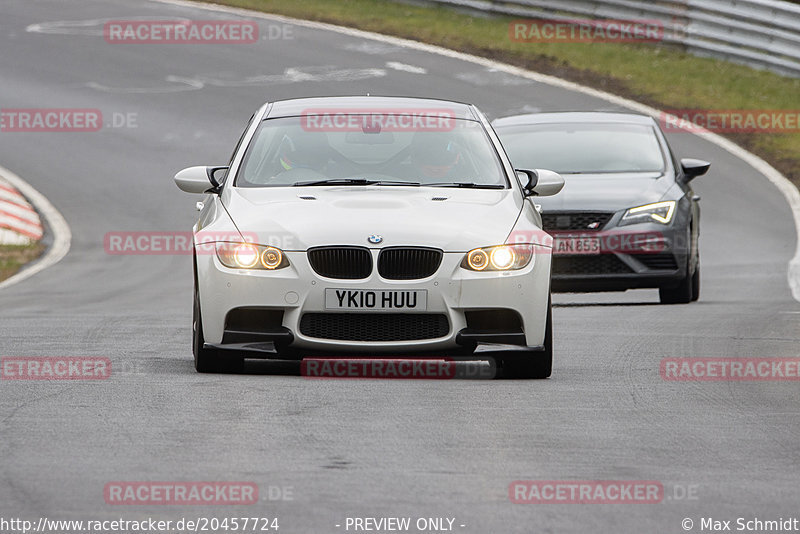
<point>62,236</point>
<point>782,183</point>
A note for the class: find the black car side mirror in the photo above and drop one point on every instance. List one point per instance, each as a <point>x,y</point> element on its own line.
<point>692,168</point>
<point>528,178</point>
<point>212,177</point>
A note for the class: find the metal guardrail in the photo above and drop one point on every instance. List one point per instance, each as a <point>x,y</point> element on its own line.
<point>763,34</point>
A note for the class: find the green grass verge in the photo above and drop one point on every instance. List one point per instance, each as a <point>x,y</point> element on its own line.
<point>660,76</point>
<point>13,257</point>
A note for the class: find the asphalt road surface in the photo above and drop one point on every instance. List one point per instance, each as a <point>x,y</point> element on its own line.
<point>359,448</point>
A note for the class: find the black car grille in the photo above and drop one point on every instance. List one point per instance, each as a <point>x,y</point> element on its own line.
<point>584,264</point>
<point>663,261</point>
<point>566,220</point>
<point>374,326</point>
<point>349,263</point>
<point>408,263</point>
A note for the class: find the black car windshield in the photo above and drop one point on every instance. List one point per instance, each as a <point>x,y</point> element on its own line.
<point>572,148</point>
<point>370,149</point>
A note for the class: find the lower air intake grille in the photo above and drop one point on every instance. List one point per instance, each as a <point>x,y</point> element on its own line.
<point>601,264</point>
<point>664,261</point>
<point>347,263</point>
<point>374,326</point>
<point>408,263</point>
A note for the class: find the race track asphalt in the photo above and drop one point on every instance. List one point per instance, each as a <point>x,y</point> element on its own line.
<point>365,447</point>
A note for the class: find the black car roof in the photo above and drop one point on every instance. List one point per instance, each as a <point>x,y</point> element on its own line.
<point>574,117</point>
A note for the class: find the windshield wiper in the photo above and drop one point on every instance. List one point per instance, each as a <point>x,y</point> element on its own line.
<point>394,182</point>
<point>336,181</point>
<point>471,185</point>
<point>354,181</point>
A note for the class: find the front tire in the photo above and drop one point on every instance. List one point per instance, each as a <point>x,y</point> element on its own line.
<point>528,364</point>
<point>687,291</point>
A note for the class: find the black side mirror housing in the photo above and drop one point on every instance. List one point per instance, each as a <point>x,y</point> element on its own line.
<point>532,179</point>
<point>692,168</point>
<point>216,183</point>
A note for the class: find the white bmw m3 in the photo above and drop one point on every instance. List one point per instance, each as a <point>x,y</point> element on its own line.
<point>371,226</point>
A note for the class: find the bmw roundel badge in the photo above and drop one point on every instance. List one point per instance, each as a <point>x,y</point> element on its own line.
<point>375,239</point>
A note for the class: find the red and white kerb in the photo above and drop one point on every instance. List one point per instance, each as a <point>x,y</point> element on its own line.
<point>19,222</point>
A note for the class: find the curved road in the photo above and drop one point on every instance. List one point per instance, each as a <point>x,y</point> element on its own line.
<point>358,448</point>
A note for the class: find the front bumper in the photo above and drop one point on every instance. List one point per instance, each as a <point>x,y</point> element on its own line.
<point>293,295</point>
<point>636,256</point>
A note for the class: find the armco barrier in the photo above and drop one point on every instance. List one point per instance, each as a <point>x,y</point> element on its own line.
<point>764,34</point>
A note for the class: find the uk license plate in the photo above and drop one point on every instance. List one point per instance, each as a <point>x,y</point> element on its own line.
<point>376,299</point>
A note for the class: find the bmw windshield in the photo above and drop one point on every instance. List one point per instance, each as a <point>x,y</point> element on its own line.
<point>371,149</point>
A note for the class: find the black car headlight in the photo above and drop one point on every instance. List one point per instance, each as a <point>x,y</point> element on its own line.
<point>498,258</point>
<point>249,256</point>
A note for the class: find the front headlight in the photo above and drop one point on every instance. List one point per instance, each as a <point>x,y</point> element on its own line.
<point>499,258</point>
<point>660,212</point>
<point>249,256</point>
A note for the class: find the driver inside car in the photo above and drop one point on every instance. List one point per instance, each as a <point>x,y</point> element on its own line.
<point>435,157</point>
<point>307,155</point>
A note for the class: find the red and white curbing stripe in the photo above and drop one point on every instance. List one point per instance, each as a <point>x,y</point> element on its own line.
<point>56,226</point>
<point>19,222</point>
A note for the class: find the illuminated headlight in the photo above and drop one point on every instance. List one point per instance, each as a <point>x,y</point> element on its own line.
<point>660,212</point>
<point>499,258</point>
<point>249,256</point>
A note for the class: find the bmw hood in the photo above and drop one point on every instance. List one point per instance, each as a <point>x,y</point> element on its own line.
<point>607,192</point>
<point>454,220</point>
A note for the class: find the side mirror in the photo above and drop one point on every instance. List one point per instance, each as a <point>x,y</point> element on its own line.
<point>692,168</point>
<point>540,182</point>
<point>199,179</point>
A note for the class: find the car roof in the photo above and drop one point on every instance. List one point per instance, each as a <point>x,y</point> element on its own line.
<point>366,104</point>
<point>574,117</point>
